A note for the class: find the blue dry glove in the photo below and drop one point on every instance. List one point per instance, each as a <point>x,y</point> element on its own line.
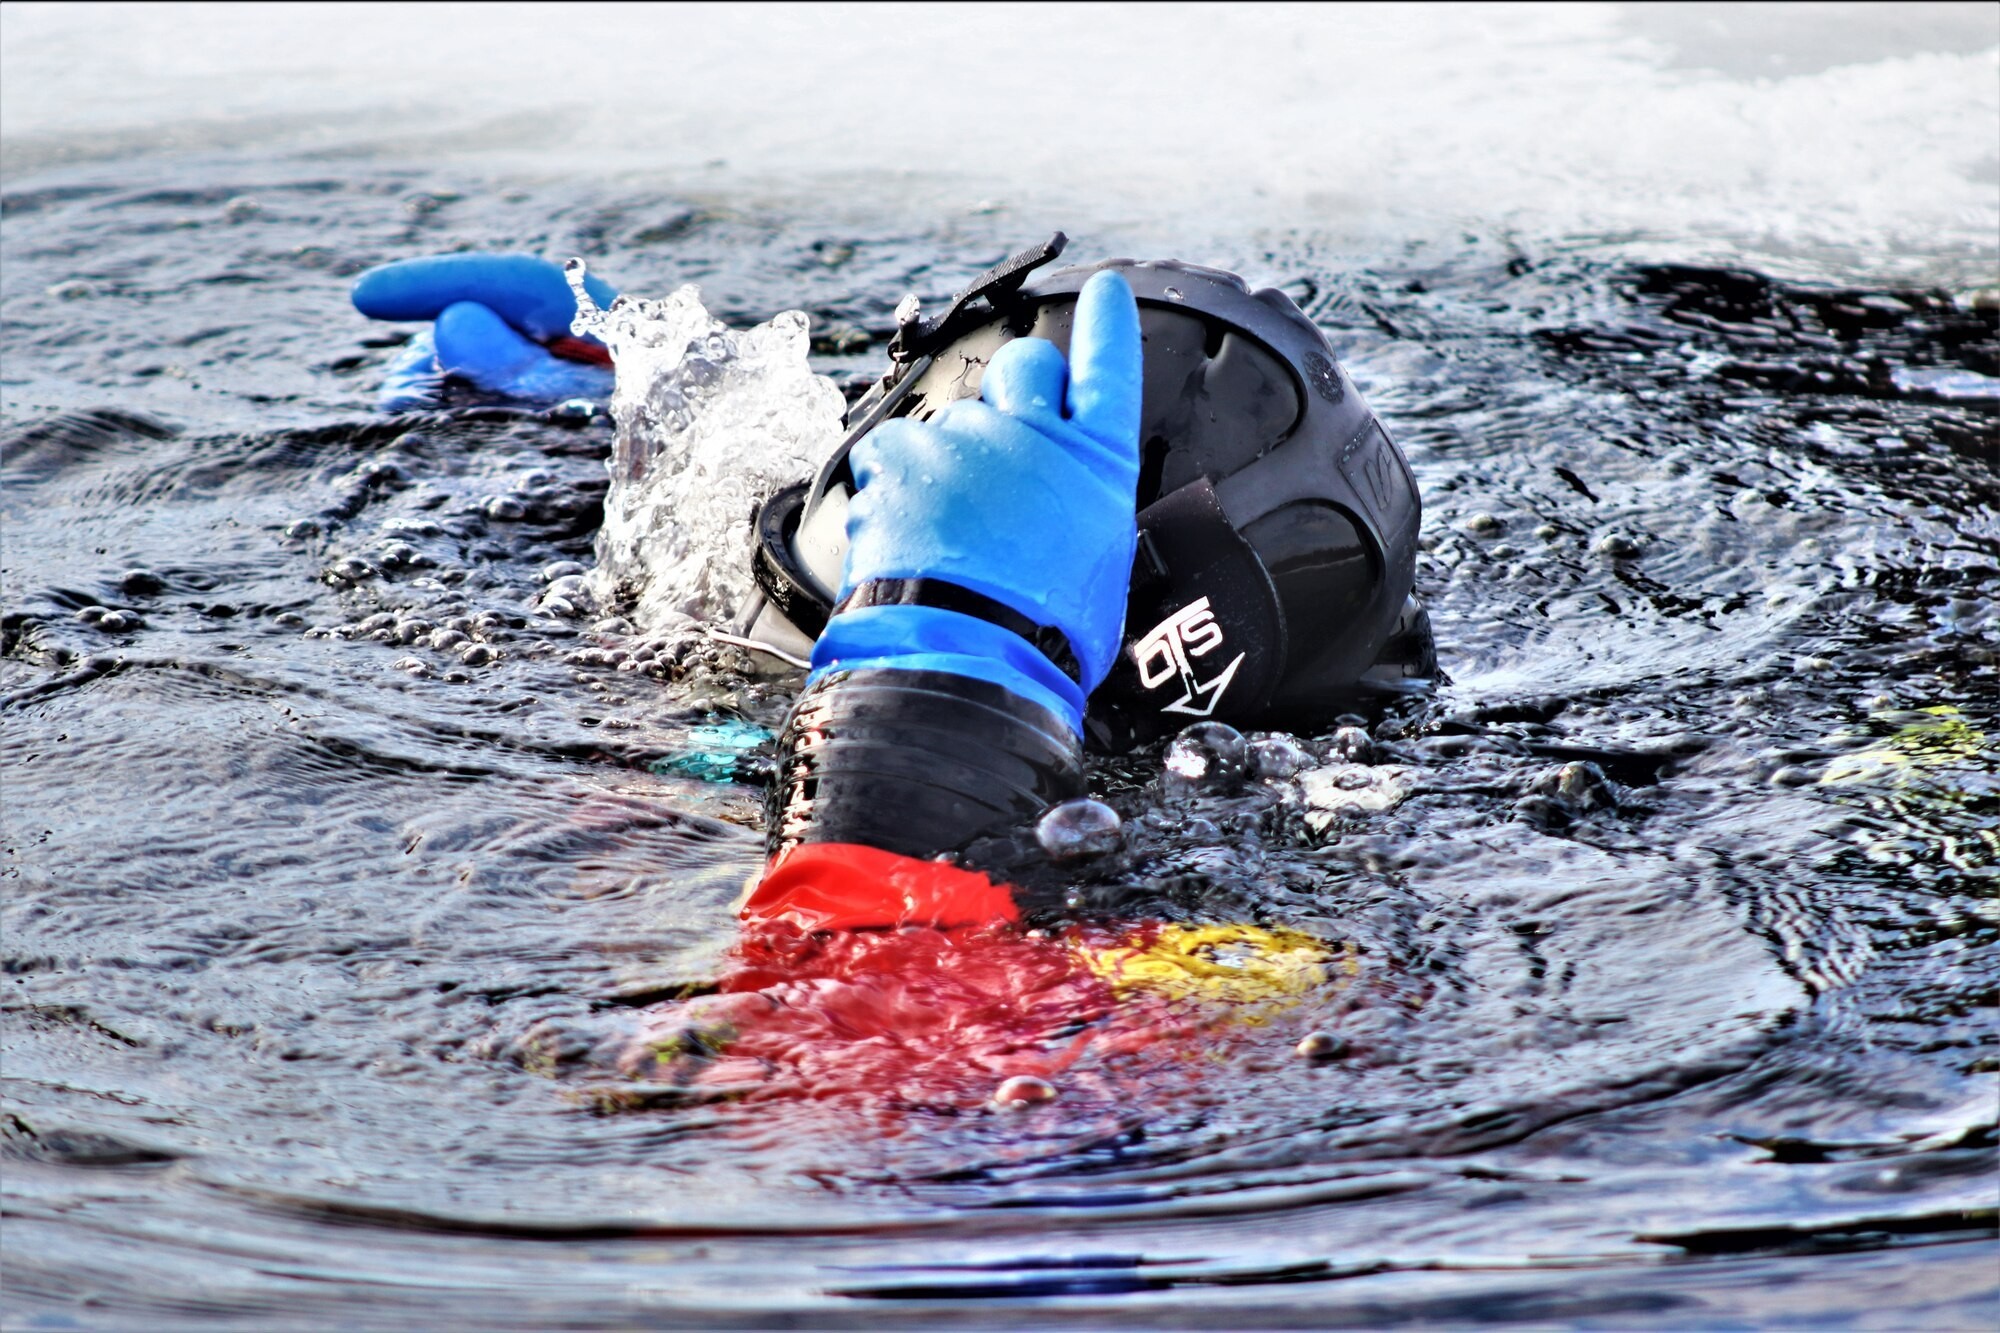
<point>501,322</point>
<point>1024,495</point>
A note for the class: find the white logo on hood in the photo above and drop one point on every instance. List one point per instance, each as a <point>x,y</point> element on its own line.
<point>1168,652</point>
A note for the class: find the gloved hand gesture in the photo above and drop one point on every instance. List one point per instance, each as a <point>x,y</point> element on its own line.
<point>1004,521</point>
<point>500,322</point>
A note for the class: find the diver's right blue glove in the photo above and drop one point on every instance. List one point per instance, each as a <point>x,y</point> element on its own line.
<point>501,323</point>
<point>989,553</point>
<point>1022,498</point>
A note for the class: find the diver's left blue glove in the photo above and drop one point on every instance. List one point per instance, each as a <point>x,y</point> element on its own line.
<point>500,322</point>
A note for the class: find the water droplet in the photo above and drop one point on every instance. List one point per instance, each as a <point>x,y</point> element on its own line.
<point>1023,1090</point>
<point>1483,524</point>
<point>1174,294</point>
<point>589,321</point>
<point>1321,1046</point>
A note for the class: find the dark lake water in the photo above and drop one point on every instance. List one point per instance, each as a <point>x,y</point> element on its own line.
<point>1660,939</point>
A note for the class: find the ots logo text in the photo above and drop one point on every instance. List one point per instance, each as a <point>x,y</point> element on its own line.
<point>1169,650</point>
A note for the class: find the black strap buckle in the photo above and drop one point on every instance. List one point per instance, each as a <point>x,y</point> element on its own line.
<point>920,337</point>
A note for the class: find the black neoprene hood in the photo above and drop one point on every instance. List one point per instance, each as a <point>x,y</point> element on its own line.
<point>1277,519</point>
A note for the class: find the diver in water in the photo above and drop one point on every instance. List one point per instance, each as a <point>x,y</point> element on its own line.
<point>1090,505</point>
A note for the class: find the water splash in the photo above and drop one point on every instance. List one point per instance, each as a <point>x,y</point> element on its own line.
<point>710,420</point>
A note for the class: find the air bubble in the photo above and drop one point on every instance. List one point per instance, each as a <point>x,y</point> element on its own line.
<point>1206,757</point>
<point>1618,546</point>
<point>1583,783</point>
<point>1562,795</point>
<point>1351,745</point>
<point>351,570</point>
<point>1277,756</point>
<point>573,593</point>
<point>1321,1046</point>
<point>1077,830</point>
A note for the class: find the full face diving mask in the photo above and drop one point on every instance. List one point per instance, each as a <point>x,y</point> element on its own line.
<point>1277,519</point>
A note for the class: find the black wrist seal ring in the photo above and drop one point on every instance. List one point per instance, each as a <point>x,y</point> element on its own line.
<point>915,762</point>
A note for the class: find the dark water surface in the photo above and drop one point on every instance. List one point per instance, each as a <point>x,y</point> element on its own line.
<point>336,873</point>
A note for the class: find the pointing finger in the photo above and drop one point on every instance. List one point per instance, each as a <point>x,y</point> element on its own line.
<point>1105,361</point>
